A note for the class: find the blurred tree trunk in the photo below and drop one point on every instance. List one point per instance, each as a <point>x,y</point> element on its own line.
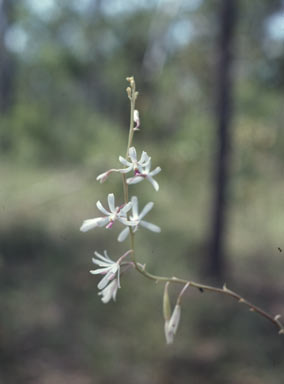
<point>6,60</point>
<point>227,19</point>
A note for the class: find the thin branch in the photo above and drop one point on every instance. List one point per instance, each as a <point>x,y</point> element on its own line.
<point>225,291</point>
<point>132,95</point>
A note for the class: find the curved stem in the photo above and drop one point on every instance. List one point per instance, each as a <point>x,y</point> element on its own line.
<point>225,291</point>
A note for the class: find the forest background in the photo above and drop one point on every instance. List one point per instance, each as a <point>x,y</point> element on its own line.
<point>211,81</point>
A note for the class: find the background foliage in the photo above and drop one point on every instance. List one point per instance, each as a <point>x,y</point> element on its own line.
<point>64,119</point>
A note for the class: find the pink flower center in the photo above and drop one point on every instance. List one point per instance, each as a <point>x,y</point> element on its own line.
<point>138,173</point>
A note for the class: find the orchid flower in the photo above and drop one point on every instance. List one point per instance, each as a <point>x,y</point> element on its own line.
<point>137,217</point>
<point>133,165</point>
<point>110,283</point>
<point>114,213</point>
<point>144,172</point>
<point>109,269</point>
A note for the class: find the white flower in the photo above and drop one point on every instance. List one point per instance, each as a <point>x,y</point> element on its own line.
<point>144,172</point>
<point>110,283</point>
<point>171,325</point>
<point>141,168</point>
<point>134,164</point>
<point>109,292</point>
<point>109,268</point>
<point>137,217</point>
<point>114,213</point>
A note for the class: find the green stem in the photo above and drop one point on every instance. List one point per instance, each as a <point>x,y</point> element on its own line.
<point>132,96</point>
<point>225,291</point>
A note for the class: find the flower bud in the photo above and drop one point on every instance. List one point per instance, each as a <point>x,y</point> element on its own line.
<point>174,321</point>
<point>166,304</point>
<point>171,325</point>
<point>128,91</point>
<point>136,120</point>
<point>131,81</point>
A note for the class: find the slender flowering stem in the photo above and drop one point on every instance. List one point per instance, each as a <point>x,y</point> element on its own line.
<point>123,215</point>
<point>132,95</point>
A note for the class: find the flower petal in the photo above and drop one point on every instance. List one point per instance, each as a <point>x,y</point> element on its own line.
<point>150,226</point>
<point>111,202</point>
<point>134,201</point>
<point>134,180</point>
<point>105,280</point>
<point>153,182</point>
<point>93,223</point>
<point>126,170</point>
<point>107,292</point>
<point>126,208</point>
<point>155,171</point>
<point>123,234</point>
<point>131,223</point>
<point>144,157</point>
<point>116,285</point>
<point>132,154</point>
<point>105,258</point>
<point>100,263</point>
<point>101,208</point>
<point>100,271</point>
<point>125,162</point>
<point>147,166</point>
<point>146,209</point>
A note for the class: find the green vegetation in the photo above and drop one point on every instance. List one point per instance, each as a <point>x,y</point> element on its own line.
<point>67,122</point>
